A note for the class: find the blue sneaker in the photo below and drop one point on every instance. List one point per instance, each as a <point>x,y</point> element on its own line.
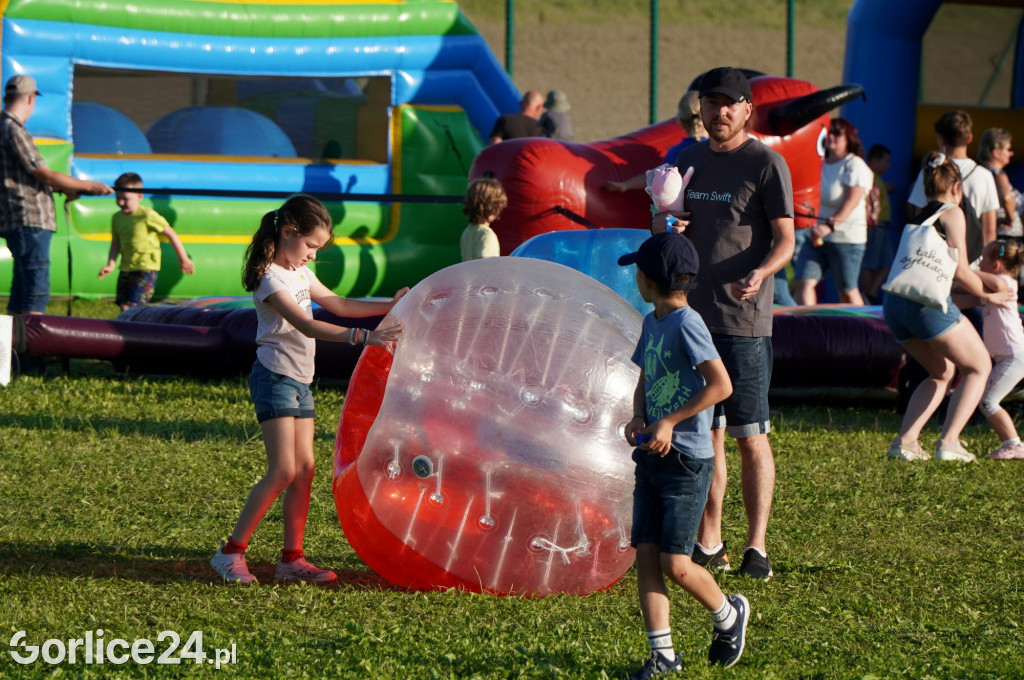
<point>656,665</point>
<point>727,645</point>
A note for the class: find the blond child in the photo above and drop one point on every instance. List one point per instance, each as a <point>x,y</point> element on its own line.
<point>135,236</point>
<point>1004,339</point>
<point>485,199</point>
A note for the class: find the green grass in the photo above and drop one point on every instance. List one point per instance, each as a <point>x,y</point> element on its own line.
<point>114,492</point>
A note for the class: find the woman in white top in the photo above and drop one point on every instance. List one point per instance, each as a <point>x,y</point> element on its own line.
<point>837,242</point>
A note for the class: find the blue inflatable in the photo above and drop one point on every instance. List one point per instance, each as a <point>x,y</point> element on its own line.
<point>595,253</point>
<point>222,130</point>
<point>102,129</point>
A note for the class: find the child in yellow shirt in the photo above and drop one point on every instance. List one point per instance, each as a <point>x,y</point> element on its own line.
<point>135,235</point>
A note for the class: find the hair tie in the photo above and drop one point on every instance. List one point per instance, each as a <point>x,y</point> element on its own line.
<point>937,161</point>
<point>1002,249</point>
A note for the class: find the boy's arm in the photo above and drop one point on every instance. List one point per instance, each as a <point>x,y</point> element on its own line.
<point>179,249</point>
<point>717,386</point>
<point>115,250</point>
<point>639,419</point>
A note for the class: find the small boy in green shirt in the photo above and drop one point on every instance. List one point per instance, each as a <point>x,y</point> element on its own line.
<point>135,235</point>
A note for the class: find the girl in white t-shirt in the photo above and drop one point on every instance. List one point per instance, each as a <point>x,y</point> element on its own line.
<point>1004,339</point>
<point>283,289</point>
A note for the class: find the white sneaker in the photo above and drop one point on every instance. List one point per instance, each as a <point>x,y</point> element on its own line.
<point>300,569</point>
<point>907,450</point>
<point>955,452</point>
<point>232,566</point>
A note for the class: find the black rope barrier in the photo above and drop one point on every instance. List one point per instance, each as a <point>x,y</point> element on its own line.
<point>323,196</point>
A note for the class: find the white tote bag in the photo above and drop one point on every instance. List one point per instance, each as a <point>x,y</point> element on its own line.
<point>924,265</point>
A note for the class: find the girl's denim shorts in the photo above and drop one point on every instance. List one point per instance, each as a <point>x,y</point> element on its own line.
<point>278,396</point>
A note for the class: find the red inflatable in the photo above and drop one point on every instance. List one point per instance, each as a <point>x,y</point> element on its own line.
<point>554,185</point>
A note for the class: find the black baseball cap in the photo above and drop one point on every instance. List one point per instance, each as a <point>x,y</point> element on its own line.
<point>728,81</point>
<point>665,256</point>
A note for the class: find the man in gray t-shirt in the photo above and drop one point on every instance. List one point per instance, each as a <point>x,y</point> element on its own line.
<point>739,216</point>
<point>732,198</point>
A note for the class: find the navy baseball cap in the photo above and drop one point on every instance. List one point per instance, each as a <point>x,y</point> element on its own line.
<point>728,81</point>
<point>665,256</point>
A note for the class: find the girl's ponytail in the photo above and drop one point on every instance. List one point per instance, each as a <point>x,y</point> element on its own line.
<point>260,252</point>
<point>302,213</point>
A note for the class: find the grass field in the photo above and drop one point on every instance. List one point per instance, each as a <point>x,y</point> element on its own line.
<point>114,492</point>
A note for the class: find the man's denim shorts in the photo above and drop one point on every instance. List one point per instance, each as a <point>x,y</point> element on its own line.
<point>749,364</point>
<point>278,396</point>
<point>668,499</point>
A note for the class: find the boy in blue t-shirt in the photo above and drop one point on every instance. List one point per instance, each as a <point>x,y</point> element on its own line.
<point>681,379</point>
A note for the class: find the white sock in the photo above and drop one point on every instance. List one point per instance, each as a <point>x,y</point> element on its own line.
<point>725,616</point>
<point>661,642</point>
<point>1012,442</point>
<point>709,551</point>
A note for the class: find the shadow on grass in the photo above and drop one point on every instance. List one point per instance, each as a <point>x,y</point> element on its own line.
<point>156,565</point>
<point>186,430</point>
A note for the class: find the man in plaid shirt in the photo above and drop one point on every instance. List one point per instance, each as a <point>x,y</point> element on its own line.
<point>27,219</point>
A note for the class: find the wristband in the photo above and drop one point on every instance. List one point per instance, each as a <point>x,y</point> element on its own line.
<point>366,335</point>
<point>351,337</point>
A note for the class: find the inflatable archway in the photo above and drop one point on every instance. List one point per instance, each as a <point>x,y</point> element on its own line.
<point>883,53</point>
<point>379,99</point>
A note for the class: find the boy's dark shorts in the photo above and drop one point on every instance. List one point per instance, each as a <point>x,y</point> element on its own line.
<point>135,288</point>
<point>278,396</point>
<point>668,500</point>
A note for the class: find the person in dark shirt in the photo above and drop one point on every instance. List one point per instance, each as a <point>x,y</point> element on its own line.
<point>526,123</point>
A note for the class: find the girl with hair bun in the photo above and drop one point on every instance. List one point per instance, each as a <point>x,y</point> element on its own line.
<point>942,342</point>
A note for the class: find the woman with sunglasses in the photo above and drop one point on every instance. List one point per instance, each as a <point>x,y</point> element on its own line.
<point>838,241</point>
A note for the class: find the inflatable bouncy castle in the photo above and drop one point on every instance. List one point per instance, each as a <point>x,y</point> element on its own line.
<point>224,108</point>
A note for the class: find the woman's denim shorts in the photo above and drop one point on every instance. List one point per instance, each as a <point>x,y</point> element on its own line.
<point>909,320</point>
<point>843,259</point>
